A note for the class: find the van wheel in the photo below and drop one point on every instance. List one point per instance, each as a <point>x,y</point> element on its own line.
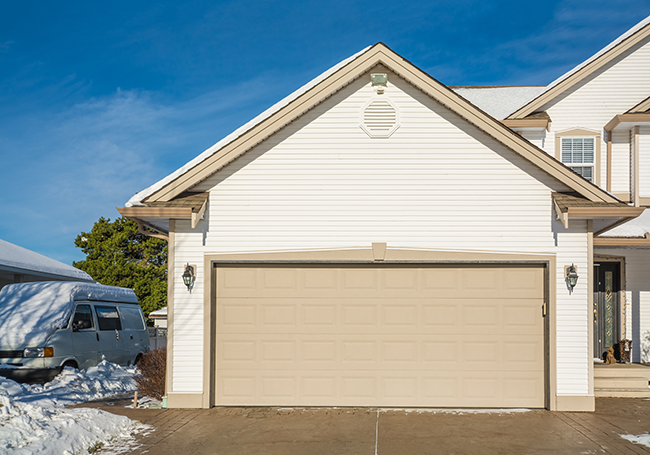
<point>137,359</point>
<point>70,363</point>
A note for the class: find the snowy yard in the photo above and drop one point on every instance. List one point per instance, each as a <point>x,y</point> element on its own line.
<point>33,418</point>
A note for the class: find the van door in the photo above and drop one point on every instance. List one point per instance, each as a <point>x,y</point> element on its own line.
<point>85,340</point>
<point>109,324</point>
<point>134,332</point>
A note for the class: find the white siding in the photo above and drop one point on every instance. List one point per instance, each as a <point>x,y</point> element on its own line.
<point>436,183</point>
<point>633,166</point>
<point>637,284</point>
<point>573,354</point>
<point>188,310</point>
<point>613,90</point>
<point>644,161</point>
<point>538,138</point>
<point>620,162</point>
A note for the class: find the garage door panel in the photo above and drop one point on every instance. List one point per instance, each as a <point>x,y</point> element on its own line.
<point>311,352</point>
<point>407,282</point>
<point>397,388</point>
<point>346,315</point>
<point>379,336</point>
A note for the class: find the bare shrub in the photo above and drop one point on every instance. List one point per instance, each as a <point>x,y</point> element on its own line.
<point>151,376</point>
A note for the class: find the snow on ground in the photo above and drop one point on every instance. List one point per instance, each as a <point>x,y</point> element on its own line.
<point>33,418</point>
<point>643,439</point>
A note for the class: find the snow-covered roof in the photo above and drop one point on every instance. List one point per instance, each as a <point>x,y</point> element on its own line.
<point>137,199</point>
<point>16,257</point>
<point>499,102</point>
<point>31,312</point>
<point>634,228</point>
<point>161,313</point>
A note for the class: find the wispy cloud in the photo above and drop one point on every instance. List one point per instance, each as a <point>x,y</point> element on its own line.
<point>64,170</point>
<point>572,33</point>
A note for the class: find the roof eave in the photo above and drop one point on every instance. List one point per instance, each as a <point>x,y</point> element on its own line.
<point>638,117</point>
<point>623,241</point>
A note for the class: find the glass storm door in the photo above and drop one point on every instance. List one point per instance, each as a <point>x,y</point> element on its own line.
<point>606,306</point>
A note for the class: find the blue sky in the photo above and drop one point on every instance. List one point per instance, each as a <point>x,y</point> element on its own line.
<point>99,100</point>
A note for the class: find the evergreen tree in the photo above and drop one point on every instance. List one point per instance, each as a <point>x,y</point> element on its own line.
<point>118,255</point>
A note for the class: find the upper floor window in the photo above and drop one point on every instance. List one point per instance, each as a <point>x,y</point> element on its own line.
<point>578,154</point>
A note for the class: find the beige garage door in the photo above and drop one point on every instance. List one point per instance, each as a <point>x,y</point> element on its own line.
<point>460,336</point>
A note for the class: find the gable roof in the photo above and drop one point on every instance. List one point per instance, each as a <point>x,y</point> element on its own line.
<point>617,47</point>
<point>499,101</point>
<point>272,120</point>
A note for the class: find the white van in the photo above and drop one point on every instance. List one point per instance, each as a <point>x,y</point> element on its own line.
<point>45,326</point>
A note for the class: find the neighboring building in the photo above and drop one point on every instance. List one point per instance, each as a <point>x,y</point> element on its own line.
<point>376,239</point>
<point>20,265</point>
<point>159,318</point>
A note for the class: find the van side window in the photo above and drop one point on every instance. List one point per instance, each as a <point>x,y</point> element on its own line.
<point>108,318</point>
<point>83,318</point>
<point>131,318</point>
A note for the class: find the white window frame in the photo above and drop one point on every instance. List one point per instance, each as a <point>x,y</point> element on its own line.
<point>580,133</point>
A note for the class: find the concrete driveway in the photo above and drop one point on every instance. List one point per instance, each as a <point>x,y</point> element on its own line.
<point>371,431</point>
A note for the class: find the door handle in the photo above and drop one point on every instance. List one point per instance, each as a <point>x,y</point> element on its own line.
<point>117,335</point>
<point>595,315</point>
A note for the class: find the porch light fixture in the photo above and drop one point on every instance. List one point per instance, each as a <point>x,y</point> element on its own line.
<point>572,275</point>
<point>188,276</point>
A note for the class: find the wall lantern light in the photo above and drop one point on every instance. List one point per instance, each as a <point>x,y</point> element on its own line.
<point>571,272</point>
<point>188,276</point>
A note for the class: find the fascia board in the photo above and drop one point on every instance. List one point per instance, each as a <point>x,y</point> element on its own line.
<point>622,241</point>
<point>380,54</point>
<point>580,74</point>
<point>155,212</point>
<point>621,118</point>
<point>527,123</point>
<point>604,212</point>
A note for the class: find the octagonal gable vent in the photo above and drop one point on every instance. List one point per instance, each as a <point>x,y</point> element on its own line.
<point>379,118</point>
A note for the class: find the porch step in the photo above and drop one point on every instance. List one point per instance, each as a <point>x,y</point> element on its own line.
<point>622,380</point>
<point>620,383</point>
<point>622,393</point>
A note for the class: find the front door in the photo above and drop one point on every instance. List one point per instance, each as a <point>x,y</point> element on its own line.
<point>606,307</point>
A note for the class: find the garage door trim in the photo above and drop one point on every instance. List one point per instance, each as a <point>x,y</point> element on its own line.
<point>365,256</point>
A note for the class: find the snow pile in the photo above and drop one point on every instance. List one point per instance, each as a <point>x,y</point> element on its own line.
<point>32,312</point>
<point>33,418</point>
<point>29,429</point>
<point>643,439</point>
<point>74,386</point>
